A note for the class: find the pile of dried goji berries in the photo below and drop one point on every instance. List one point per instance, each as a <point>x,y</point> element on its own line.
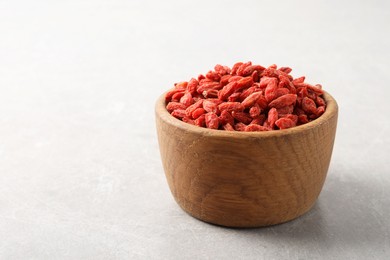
<point>246,98</point>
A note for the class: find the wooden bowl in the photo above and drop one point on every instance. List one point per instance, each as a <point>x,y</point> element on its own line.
<point>246,179</point>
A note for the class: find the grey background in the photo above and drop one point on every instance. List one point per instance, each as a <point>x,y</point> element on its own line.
<point>80,170</point>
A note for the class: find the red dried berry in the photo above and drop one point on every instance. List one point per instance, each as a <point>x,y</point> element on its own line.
<point>212,121</point>
<point>228,127</point>
<point>284,123</point>
<point>231,106</point>
<point>302,119</point>
<point>240,126</point>
<point>298,80</point>
<point>241,69</point>
<point>241,117</point>
<point>234,97</point>
<point>251,99</point>
<point>254,127</point>
<point>272,116</point>
<point>285,110</point>
<point>255,111</point>
<point>283,101</point>
<point>177,96</point>
<point>227,91</point>
<point>187,99</point>
<point>225,79</point>
<point>210,106</point>
<point>244,83</point>
<point>214,76</point>
<point>270,90</point>
<point>309,106</point>
<point>281,92</point>
<point>181,85</point>
<point>175,105</point>
<point>198,112</point>
<point>194,106</point>
<point>226,118</point>
<point>179,113</point>
<point>235,68</point>
<point>259,120</point>
<point>201,121</point>
<point>192,85</point>
<point>235,78</point>
<point>222,70</point>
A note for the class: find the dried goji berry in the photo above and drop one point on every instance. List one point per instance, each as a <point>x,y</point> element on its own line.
<point>320,101</point>
<point>302,119</point>
<point>225,79</point>
<point>241,117</point>
<point>210,106</point>
<point>177,96</point>
<point>234,97</point>
<point>192,85</point>
<point>235,78</point>
<point>200,121</point>
<point>240,70</point>
<point>254,127</point>
<point>255,76</point>
<point>251,99</point>
<point>200,77</point>
<point>285,110</point>
<point>292,117</point>
<point>210,93</point>
<point>281,92</point>
<point>285,69</point>
<point>320,110</point>
<point>259,120</point>
<point>264,81</point>
<point>270,90</point>
<point>181,85</point>
<point>309,106</point>
<point>198,112</point>
<point>298,80</point>
<point>194,106</point>
<point>179,113</point>
<point>255,111</point>
<point>251,68</point>
<point>244,94</point>
<point>175,105</point>
<point>207,86</point>
<point>231,106</point>
<point>212,121</point>
<point>263,104</point>
<point>283,101</point>
<point>215,100</point>
<point>228,127</point>
<point>222,70</point>
<point>187,99</point>
<point>226,118</point>
<point>284,123</point>
<point>272,116</point>
<point>235,67</point>
<point>240,126</point>
<point>227,90</point>
<point>244,83</point>
<point>214,76</point>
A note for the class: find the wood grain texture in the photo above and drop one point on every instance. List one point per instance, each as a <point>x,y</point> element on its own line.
<point>246,179</point>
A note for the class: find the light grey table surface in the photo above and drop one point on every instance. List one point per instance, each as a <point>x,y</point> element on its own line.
<point>80,170</point>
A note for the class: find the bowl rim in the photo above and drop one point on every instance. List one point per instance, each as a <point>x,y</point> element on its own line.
<point>330,112</point>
